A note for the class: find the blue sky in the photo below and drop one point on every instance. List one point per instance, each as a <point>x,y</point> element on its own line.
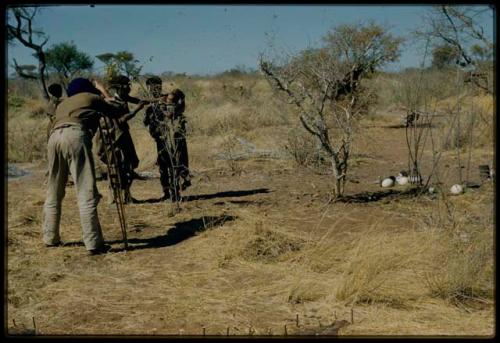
<point>206,39</point>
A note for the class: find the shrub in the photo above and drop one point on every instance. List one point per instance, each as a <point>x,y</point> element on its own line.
<point>15,102</point>
<point>460,267</point>
<point>27,140</point>
<point>303,148</point>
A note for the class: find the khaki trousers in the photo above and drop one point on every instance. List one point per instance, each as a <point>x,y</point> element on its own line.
<point>70,150</point>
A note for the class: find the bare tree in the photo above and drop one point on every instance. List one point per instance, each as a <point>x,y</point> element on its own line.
<point>461,28</point>
<point>22,30</point>
<point>325,86</point>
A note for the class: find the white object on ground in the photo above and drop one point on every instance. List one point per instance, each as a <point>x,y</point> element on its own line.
<point>456,189</point>
<point>388,182</point>
<point>401,180</point>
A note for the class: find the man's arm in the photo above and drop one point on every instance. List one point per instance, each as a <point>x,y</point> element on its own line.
<point>147,116</point>
<point>109,109</point>
<point>132,100</point>
<point>103,90</point>
<point>127,117</point>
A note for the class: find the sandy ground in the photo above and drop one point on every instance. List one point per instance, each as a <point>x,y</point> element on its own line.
<point>207,269</point>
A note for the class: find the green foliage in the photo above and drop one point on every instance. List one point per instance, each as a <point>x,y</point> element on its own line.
<point>120,62</point>
<point>444,56</point>
<point>481,53</point>
<point>461,30</point>
<point>106,58</point>
<point>65,60</point>
<point>369,44</point>
<point>15,102</point>
<point>350,54</point>
<point>237,71</point>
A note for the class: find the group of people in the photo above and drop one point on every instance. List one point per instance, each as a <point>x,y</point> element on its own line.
<point>89,110</point>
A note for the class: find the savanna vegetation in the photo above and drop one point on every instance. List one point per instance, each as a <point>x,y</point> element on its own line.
<point>274,238</point>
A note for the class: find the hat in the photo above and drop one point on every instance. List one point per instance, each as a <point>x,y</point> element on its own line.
<point>120,80</point>
<point>81,85</point>
<point>153,80</point>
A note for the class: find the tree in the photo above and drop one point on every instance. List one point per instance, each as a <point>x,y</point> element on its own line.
<point>460,27</point>
<point>120,62</point>
<point>65,60</point>
<point>444,56</point>
<point>325,86</point>
<point>463,29</point>
<point>26,71</point>
<point>20,28</point>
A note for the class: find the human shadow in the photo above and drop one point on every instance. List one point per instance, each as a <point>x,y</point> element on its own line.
<point>226,194</point>
<point>180,232</point>
<point>365,197</point>
<point>236,202</point>
<point>148,201</point>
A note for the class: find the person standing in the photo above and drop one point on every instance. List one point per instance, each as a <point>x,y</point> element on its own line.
<point>119,133</point>
<point>167,125</point>
<point>55,92</point>
<point>69,149</point>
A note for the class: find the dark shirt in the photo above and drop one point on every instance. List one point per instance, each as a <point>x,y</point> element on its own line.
<point>167,114</point>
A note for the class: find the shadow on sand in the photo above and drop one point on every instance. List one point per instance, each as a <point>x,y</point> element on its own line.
<point>402,126</point>
<point>209,196</point>
<point>365,197</point>
<point>180,232</point>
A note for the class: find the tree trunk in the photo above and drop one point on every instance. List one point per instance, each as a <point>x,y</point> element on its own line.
<point>338,189</point>
<point>41,73</point>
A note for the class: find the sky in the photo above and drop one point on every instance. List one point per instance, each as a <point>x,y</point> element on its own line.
<point>209,39</point>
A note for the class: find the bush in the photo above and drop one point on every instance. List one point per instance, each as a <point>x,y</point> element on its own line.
<point>460,267</point>
<point>464,272</point>
<point>27,139</point>
<point>303,148</point>
<point>15,102</point>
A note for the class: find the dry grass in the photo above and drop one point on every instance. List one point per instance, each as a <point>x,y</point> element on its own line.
<point>27,135</point>
<point>377,270</point>
<point>463,245</point>
<point>258,243</point>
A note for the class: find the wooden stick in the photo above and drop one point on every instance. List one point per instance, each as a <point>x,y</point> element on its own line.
<point>34,324</point>
<point>352,315</point>
<point>113,172</point>
<point>297,319</point>
<point>203,331</point>
<point>227,331</point>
